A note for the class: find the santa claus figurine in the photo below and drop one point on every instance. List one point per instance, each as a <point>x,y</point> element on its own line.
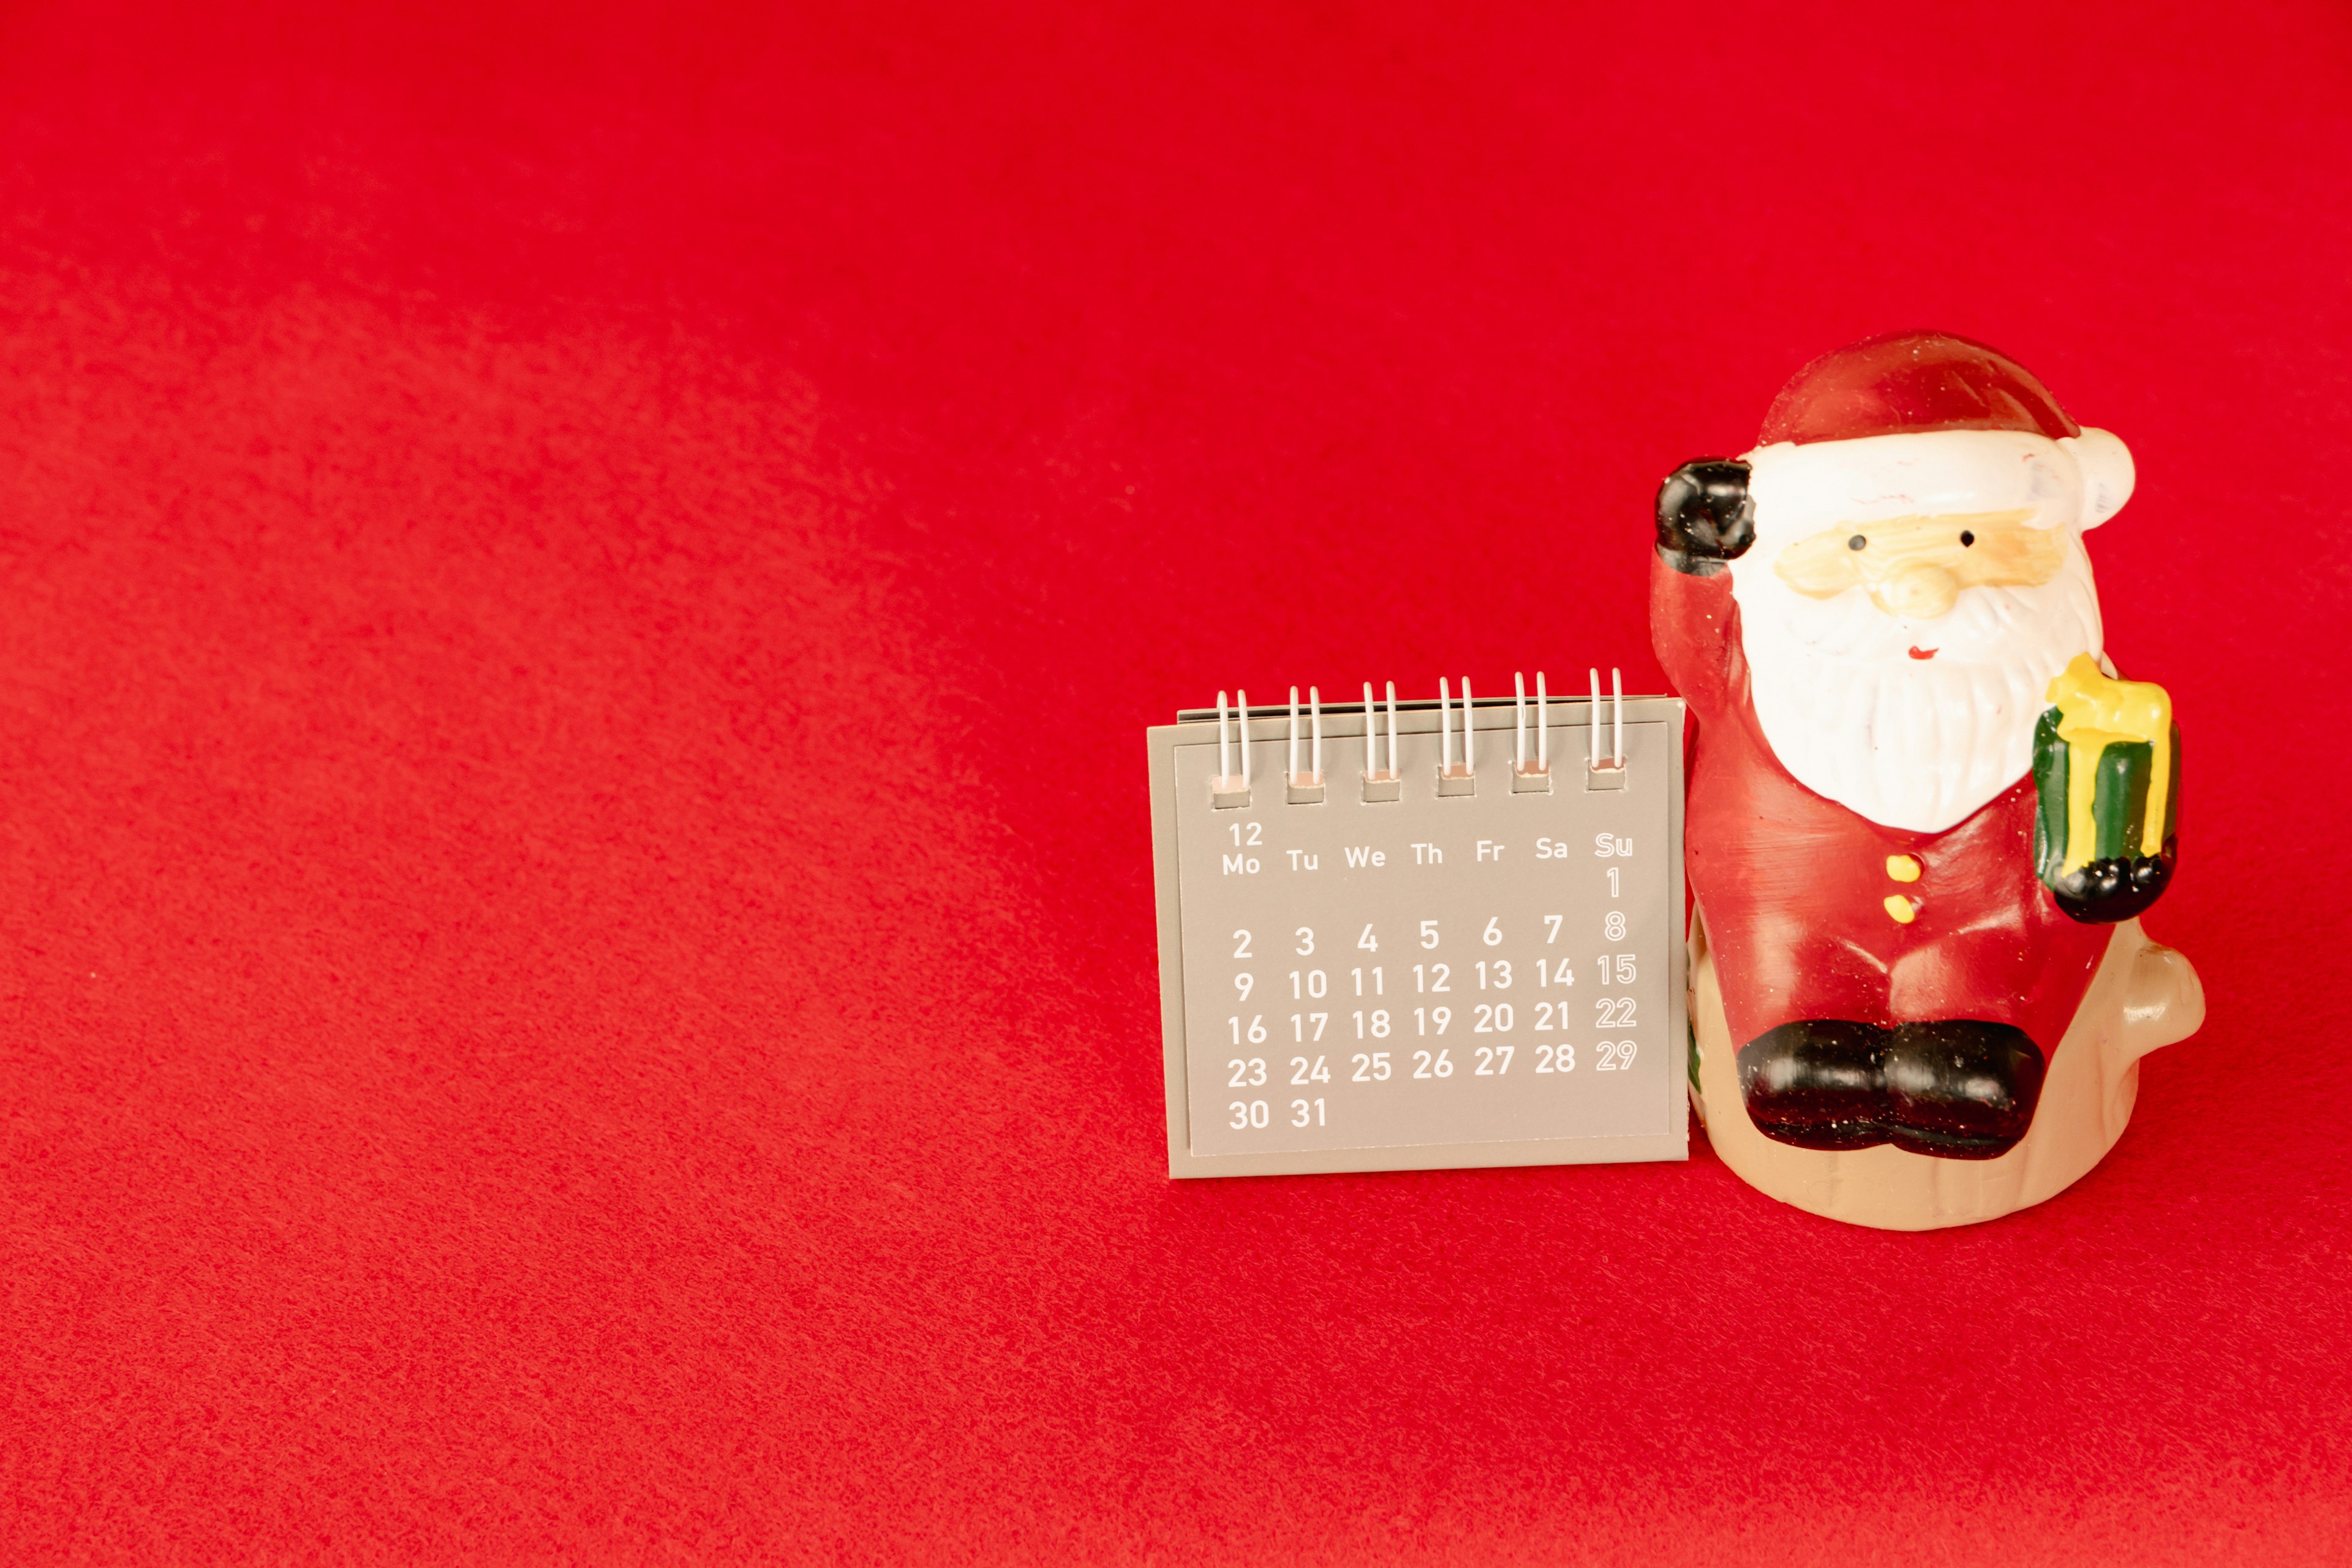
<point>1924,813</point>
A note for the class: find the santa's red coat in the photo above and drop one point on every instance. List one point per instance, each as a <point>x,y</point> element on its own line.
<point>1794,888</point>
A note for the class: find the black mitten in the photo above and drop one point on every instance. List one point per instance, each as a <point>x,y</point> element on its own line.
<point>1705,516</point>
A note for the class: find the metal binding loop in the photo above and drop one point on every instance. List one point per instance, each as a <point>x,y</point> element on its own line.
<point>1617,710</point>
<point>1608,773</point>
<point>1230,789</point>
<point>1315,714</point>
<point>1394,771</point>
<point>1293,768</point>
<point>1380,783</point>
<point>1304,788</point>
<point>1525,779</point>
<point>1453,779</point>
<point>1592,721</point>
<point>1469,761</point>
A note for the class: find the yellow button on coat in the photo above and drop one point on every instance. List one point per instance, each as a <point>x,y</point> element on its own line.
<point>1902,869</point>
<point>1900,908</point>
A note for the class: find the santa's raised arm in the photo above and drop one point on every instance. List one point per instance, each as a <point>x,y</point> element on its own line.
<point>1918,798</point>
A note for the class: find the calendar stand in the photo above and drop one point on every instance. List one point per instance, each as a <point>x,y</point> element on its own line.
<point>1407,936</point>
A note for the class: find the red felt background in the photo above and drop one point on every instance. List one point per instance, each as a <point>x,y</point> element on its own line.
<point>579,596</point>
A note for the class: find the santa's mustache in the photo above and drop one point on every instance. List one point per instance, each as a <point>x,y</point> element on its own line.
<point>1984,625</point>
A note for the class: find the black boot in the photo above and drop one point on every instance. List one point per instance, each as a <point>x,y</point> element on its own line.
<point>1959,1088</point>
<point>1816,1083</point>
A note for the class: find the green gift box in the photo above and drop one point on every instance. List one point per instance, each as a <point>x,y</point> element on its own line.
<point>2092,843</point>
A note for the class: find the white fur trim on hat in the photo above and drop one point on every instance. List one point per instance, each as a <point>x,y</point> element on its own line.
<point>2108,473</point>
<point>1800,489</point>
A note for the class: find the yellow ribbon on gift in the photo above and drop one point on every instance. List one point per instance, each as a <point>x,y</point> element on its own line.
<point>2093,713</point>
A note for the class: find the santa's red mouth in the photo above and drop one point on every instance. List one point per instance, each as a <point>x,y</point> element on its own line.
<point>1923,653</point>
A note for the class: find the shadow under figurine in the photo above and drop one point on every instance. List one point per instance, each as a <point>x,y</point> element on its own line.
<point>1924,813</point>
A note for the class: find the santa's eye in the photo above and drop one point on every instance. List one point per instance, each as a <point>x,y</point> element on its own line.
<point>1857,543</point>
<point>1967,538</point>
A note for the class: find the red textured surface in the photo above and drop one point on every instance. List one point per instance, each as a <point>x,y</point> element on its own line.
<point>582,594</point>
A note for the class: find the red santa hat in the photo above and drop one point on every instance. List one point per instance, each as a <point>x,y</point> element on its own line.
<point>1927,422</point>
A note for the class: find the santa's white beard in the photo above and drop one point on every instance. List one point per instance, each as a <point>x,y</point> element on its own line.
<point>1915,743</point>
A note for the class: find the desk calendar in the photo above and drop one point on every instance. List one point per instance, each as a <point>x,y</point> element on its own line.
<point>1410,935</point>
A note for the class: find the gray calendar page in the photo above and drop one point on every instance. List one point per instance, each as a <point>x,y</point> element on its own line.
<point>1467,979</point>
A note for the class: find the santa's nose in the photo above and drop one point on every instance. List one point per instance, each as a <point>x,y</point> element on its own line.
<point>1920,589</point>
